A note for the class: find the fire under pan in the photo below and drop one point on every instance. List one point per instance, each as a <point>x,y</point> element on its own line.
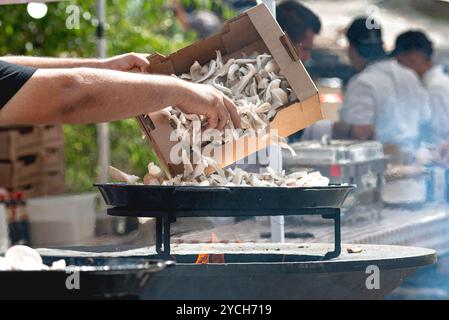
<point>166,203</point>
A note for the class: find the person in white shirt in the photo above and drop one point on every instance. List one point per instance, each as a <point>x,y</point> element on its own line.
<point>415,51</point>
<point>385,100</point>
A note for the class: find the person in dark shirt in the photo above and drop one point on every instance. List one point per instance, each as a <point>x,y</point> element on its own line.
<point>78,91</point>
<point>301,24</point>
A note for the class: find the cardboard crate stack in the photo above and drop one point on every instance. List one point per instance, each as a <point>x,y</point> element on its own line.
<point>32,160</point>
<point>52,154</point>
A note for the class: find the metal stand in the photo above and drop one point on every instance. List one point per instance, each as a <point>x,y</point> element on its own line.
<point>165,219</point>
<point>336,216</point>
<point>163,235</point>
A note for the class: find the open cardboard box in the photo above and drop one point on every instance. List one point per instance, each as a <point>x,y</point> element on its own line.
<point>254,30</point>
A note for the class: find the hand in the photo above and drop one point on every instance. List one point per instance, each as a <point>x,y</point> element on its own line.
<point>207,101</point>
<point>127,62</point>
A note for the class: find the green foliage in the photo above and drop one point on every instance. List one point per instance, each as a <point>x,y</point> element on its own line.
<point>132,26</point>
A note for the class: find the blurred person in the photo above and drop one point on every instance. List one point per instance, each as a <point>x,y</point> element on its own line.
<point>385,100</point>
<point>77,91</point>
<point>415,51</point>
<point>301,24</point>
<point>203,22</point>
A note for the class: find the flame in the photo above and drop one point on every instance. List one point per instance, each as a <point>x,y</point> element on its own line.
<point>205,258</point>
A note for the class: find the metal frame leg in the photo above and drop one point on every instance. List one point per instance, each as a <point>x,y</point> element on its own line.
<point>337,234</point>
<point>159,235</point>
<point>167,237</point>
<point>163,236</point>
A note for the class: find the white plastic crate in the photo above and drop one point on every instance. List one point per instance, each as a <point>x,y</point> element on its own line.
<point>62,220</point>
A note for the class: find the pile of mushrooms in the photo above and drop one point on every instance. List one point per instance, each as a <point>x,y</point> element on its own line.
<point>226,177</point>
<point>254,83</point>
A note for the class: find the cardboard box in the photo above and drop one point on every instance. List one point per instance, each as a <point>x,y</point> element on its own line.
<point>20,172</point>
<point>254,30</point>
<point>52,136</point>
<point>53,159</point>
<point>31,190</point>
<point>54,182</point>
<point>17,142</point>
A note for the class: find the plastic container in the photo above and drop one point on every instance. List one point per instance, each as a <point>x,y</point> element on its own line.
<point>4,237</point>
<point>62,220</point>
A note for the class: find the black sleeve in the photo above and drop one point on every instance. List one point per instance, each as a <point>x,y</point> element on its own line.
<point>12,78</point>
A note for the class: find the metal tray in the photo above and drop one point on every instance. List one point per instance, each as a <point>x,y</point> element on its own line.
<point>221,201</point>
<point>336,152</point>
<point>99,278</point>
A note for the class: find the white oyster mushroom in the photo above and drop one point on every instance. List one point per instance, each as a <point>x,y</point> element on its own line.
<point>24,258</point>
<point>279,97</point>
<point>4,264</point>
<point>155,171</point>
<point>273,85</point>
<point>121,176</point>
<point>272,67</point>
<point>238,88</point>
<point>166,112</point>
<point>195,71</point>
<point>264,108</point>
<point>204,70</point>
<point>297,175</point>
<point>59,265</point>
<point>232,71</point>
<point>210,72</point>
<point>263,84</point>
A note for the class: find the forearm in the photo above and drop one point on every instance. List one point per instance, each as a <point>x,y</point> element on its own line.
<point>79,96</point>
<point>346,131</point>
<point>111,95</point>
<point>51,63</point>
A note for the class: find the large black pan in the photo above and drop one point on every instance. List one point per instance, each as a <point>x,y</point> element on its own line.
<point>221,201</point>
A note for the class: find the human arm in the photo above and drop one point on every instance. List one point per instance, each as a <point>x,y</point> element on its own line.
<point>85,95</point>
<point>124,62</point>
<point>357,116</point>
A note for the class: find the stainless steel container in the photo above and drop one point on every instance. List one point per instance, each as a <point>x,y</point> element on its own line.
<point>353,162</point>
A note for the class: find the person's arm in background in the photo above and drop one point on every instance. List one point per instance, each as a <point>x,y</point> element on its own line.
<point>124,62</point>
<point>357,115</point>
<point>85,95</point>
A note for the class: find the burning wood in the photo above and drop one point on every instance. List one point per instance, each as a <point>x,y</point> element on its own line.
<point>204,258</point>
